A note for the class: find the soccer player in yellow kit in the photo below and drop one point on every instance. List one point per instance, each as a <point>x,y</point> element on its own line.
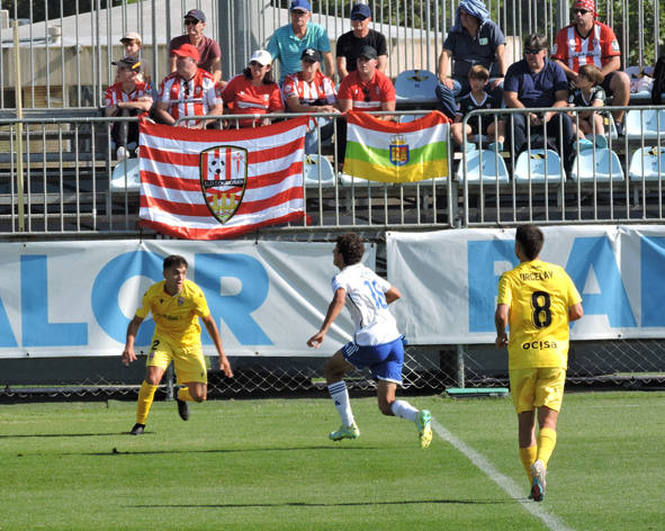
<point>176,305</point>
<point>537,300</point>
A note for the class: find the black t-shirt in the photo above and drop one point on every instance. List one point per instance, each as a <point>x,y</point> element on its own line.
<point>348,45</point>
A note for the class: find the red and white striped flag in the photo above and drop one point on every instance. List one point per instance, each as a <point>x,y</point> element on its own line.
<point>211,184</point>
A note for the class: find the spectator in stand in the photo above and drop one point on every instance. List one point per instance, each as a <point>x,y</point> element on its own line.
<point>350,44</point>
<point>589,93</point>
<point>310,91</point>
<point>288,42</point>
<point>253,91</point>
<point>127,97</point>
<point>474,39</point>
<point>536,82</point>
<point>210,55</point>
<point>587,41</point>
<point>366,89</point>
<point>189,91</point>
<point>133,46</point>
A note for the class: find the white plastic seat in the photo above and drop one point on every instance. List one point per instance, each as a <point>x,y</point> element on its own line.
<point>533,165</point>
<point>416,86</point>
<point>311,167</point>
<point>645,161</point>
<point>133,182</point>
<point>483,163</point>
<point>607,164</point>
<point>350,180</point>
<point>653,121</point>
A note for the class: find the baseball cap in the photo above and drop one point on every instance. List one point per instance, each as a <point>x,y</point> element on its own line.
<point>131,36</point>
<point>368,52</point>
<point>262,57</point>
<point>197,14</point>
<point>128,62</point>
<point>360,12</point>
<point>310,54</point>
<point>300,5</point>
<point>187,50</point>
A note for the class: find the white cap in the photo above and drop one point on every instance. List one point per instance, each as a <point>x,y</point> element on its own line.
<point>262,57</point>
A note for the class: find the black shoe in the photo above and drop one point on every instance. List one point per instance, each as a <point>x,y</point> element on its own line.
<point>137,429</point>
<point>183,409</point>
<point>619,128</point>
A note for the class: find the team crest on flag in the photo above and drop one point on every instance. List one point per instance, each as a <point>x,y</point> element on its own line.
<point>223,180</point>
<point>399,150</point>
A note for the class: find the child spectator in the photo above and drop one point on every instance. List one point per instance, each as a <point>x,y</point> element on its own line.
<point>477,99</point>
<point>589,93</point>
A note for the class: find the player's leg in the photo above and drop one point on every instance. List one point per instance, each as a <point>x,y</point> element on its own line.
<point>192,375</point>
<point>335,369</point>
<point>158,360</point>
<point>522,392</point>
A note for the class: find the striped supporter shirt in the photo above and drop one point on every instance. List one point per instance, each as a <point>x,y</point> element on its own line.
<point>367,95</point>
<point>599,46</point>
<point>319,91</point>
<point>114,94</point>
<point>190,98</point>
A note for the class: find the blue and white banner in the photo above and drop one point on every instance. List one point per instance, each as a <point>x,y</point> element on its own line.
<point>449,279</point>
<point>77,298</point>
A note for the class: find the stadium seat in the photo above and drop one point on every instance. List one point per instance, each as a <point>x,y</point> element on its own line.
<point>350,180</point>
<point>533,166</point>
<point>647,162</point>
<point>648,121</point>
<point>606,164</point>
<point>483,163</point>
<point>130,167</point>
<point>311,167</point>
<point>416,86</point>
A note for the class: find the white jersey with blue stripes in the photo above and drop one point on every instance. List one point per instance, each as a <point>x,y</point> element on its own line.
<point>366,300</point>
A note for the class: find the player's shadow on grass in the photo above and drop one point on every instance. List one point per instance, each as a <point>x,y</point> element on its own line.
<point>310,504</point>
<point>115,451</point>
<point>48,435</point>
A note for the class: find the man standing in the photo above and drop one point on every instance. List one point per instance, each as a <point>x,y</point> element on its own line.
<point>289,42</point>
<point>126,97</point>
<point>350,44</point>
<point>536,82</point>
<point>176,305</point>
<point>210,55</point>
<point>376,344</point>
<point>189,91</point>
<point>537,300</point>
<point>473,40</point>
<point>587,41</point>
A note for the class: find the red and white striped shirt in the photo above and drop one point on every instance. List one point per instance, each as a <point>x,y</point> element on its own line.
<point>114,94</point>
<point>367,95</point>
<point>597,48</point>
<point>190,98</point>
<point>319,91</point>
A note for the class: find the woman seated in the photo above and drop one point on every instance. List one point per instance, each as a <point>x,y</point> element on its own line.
<point>253,92</point>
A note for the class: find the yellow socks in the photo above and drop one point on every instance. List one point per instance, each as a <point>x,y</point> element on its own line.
<point>528,457</point>
<point>183,394</point>
<point>546,444</point>
<point>146,394</point>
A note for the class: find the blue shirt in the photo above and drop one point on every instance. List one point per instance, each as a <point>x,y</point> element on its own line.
<point>535,90</point>
<point>479,50</point>
<point>285,46</point>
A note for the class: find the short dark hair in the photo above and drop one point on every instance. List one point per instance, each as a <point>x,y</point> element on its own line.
<point>535,41</point>
<point>531,240</point>
<point>174,260</point>
<point>351,247</point>
<point>479,72</point>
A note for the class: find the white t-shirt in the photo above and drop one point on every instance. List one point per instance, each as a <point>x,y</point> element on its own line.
<point>366,300</point>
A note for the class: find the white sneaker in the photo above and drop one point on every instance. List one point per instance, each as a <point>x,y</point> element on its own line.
<point>122,153</point>
<point>538,472</point>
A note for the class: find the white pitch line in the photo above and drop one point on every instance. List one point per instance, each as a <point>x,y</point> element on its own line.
<point>507,484</point>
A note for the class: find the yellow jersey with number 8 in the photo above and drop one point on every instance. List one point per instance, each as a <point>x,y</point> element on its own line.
<point>538,295</point>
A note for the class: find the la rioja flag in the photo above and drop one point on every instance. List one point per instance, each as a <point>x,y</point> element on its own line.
<point>210,184</point>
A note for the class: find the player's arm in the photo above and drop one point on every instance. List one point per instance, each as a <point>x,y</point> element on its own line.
<point>575,312</point>
<point>128,354</point>
<point>333,311</point>
<point>501,322</point>
<point>212,329</point>
<point>392,294</point>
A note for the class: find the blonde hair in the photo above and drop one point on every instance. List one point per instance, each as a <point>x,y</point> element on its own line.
<point>591,72</point>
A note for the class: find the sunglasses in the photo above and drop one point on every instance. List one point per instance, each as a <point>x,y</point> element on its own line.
<point>581,11</point>
<point>529,51</point>
<point>191,22</point>
<point>186,90</point>
<point>366,93</point>
<point>358,17</point>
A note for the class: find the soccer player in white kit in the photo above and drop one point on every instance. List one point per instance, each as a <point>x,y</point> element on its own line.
<point>377,344</point>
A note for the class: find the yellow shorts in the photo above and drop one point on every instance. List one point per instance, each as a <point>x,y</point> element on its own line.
<point>188,361</point>
<point>532,388</point>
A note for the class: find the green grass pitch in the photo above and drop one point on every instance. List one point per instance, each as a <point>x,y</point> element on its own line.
<point>267,464</point>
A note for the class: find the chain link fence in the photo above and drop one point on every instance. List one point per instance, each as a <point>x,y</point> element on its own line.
<point>629,364</point>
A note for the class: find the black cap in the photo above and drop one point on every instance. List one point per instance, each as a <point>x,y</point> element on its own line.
<point>312,55</point>
<point>368,52</point>
<point>128,62</point>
